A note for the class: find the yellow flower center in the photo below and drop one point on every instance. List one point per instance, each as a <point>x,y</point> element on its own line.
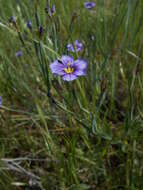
<point>69,69</point>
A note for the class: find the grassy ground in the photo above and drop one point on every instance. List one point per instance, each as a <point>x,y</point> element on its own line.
<point>80,135</point>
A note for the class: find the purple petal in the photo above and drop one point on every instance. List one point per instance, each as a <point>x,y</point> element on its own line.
<point>79,46</point>
<point>89,5</point>
<point>76,42</point>
<point>67,59</point>
<point>79,72</point>
<point>69,77</point>
<point>70,47</point>
<point>57,68</point>
<point>80,64</point>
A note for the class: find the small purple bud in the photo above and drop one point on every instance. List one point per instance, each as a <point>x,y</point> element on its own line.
<point>78,45</point>
<point>89,5</point>
<point>0,101</point>
<point>19,54</point>
<point>51,10</point>
<point>70,48</point>
<point>29,24</point>
<point>12,20</point>
<point>40,30</point>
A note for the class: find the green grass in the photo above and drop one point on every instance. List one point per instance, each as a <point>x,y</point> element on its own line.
<point>81,135</point>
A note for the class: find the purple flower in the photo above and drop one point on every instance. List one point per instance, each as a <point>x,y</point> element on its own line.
<point>68,68</point>
<point>19,54</point>
<point>51,10</point>
<point>0,101</point>
<point>29,24</point>
<point>89,5</point>
<point>78,46</point>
